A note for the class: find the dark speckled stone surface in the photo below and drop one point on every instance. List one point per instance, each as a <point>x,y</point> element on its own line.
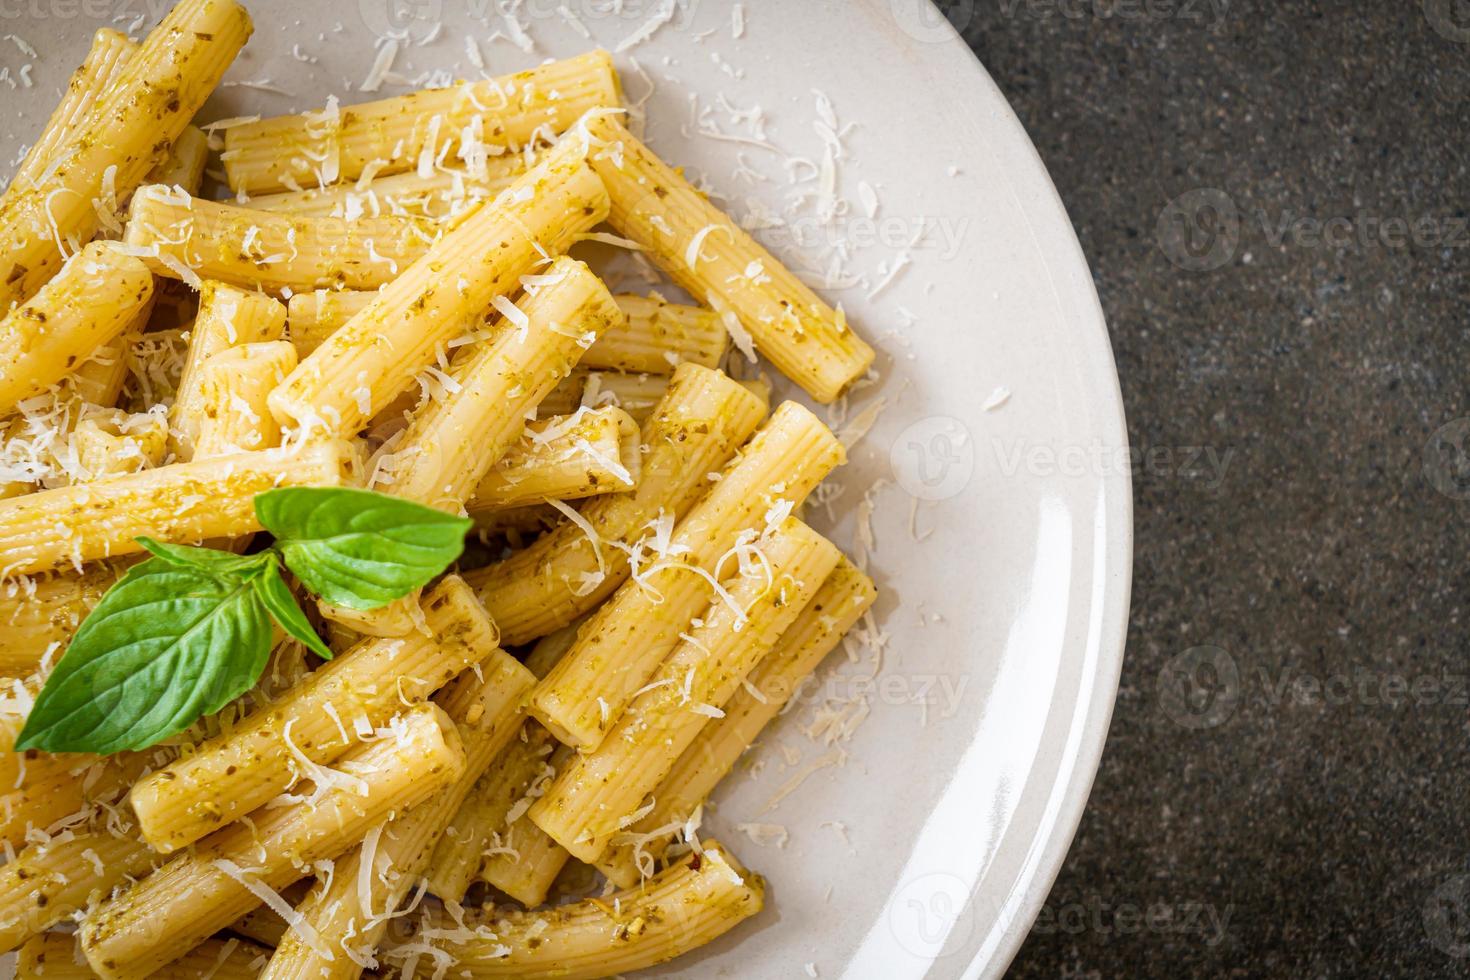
<point>1273,197</point>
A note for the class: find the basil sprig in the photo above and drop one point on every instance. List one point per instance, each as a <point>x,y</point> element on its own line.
<point>187,631</point>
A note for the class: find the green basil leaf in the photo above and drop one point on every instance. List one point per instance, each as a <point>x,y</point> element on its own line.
<point>281,604</point>
<point>166,644</point>
<point>357,548</point>
<point>205,559</point>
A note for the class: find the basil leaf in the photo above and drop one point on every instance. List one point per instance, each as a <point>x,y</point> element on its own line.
<point>166,644</point>
<point>357,548</point>
<point>205,559</point>
<point>281,604</point>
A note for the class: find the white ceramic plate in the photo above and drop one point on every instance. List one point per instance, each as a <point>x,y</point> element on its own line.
<point>1005,586</point>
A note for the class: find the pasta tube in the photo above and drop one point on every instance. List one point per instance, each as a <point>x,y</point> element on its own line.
<point>311,317</point>
<point>233,388</point>
<point>714,259</point>
<point>39,616</point>
<point>99,379</point>
<point>211,498</point>
<point>526,860</point>
<point>376,354</point>
<point>417,131</point>
<point>442,194</point>
<point>523,862</point>
<point>627,638</point>
<point>452,443</point>
<point>112,443</point>
<point>564,458</point>
<point>104,160</point>
<point>263,924</point>
<point>161,917</point>
<point>227,317</point>
<point>91,301</point>
<point>104,64</point>
<point>592,799</point>
<point>566,572</point>
<point>686,906</point>
<point>56,790</point>
<point>48,789</point>
<point>635,394</point>
<point>660,336</point>
<point>190,238</point>
<point>313,723</point>
<point>54,956</point>
<point>48,883</point>
<point>838,604</point>
<point>350,912</point>
<point>184,166</point>
<point>485,809</point>
<point>654,335</point>
<point>397,618</point>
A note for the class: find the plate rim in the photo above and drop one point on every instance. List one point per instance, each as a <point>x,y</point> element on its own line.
<point>1047,211</point>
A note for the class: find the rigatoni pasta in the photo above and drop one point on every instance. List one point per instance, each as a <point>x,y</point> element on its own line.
<point>38,616</point>
<point>592,799</point>
<point>490,833</point>
<point>441,194</point>
<point>484,809</point>
<point>233,388</point>
<point>843,598</point>
<point>109,54</point>
<point>164,915</point>
<point>711,256</point>
<point>228,317</point>
<point>92,300</point>
<point>181,502</point>
<point>313,723</point>
<point>375,355</point>
<point>654,335</point>
<point>159,90</point>
<point>623,643</point>
<point>565,457</point>
<point>349,910</point>
<point>381,333</point>
<point>189,238</point>
<point>48,883</point>
<point>393,135</point>
<point>184,166</point>
<point>702,420</point>
<point>451,444</point>
<point>55,956</point>
<point>684,907</point>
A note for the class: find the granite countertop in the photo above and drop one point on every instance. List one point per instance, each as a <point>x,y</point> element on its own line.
<point>1273,201</point>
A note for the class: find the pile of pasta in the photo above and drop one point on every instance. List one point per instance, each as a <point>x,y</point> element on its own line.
<point>387,301</point>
